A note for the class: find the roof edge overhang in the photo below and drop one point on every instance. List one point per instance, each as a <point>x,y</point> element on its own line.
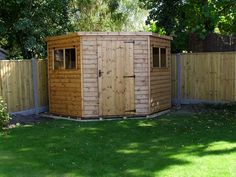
<point>108,34</point>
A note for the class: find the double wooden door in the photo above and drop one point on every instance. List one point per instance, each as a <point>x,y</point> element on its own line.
<point>116,78</point>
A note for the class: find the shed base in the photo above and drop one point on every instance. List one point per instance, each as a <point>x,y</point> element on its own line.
<point>106,118</point>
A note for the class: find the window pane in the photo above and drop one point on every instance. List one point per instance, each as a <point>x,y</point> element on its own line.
<point>58,59</point>
<point>155,52</point>
<point>70,58</point>
<point>163,58</point>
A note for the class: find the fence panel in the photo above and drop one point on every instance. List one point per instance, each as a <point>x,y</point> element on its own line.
<point>205,77</point>
<point>16,84</point>
<point>196,77</point>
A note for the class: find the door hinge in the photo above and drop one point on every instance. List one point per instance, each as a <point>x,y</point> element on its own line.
<point>134,110</point>
<point>133,76</point>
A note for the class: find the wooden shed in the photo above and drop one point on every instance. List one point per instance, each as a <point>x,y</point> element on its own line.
<point>93,74</point>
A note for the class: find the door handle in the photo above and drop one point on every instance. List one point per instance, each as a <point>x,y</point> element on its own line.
<point>100,73</point>
<point>133,76</point>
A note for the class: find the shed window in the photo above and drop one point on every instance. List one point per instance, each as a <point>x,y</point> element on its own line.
<point>159,57</point>
<point>58,59</point>
<point>65,59</point>
<point>70,58</point>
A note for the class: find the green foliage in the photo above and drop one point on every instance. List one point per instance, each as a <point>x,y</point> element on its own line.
<point>181,17</point>
<point>227,21</point>
<point>152,27</point>
<point>24,24</point>
<point>4,116</point>
<point>98,15</point>
<point>109,15</point>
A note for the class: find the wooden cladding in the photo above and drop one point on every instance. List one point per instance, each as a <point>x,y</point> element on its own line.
<point>112,74</point>
<point>65,76</point>
<point>134,48</point>
<point>160,80</point>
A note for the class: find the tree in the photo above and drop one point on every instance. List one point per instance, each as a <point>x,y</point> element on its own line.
<point>24,24</point>
<point>182,17</point>
<point>109,15</point>
<point>227,18</point>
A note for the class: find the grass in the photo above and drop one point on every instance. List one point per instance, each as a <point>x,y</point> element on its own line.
<point>175,145</point>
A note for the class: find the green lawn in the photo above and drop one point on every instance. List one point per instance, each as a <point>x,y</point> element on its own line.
<point>173,145</point>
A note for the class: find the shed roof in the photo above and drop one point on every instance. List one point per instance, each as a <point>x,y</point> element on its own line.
<point>109,34</point>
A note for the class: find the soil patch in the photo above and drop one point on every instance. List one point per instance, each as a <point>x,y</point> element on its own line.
<point>27,120</point>
<point>229,108</point>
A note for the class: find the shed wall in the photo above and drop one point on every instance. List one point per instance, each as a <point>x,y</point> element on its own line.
<point>89,46</point>
<point>65,85</point>
<point>160,78</point>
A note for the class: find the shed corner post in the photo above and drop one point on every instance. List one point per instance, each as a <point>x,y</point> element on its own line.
<point>149,76</point>
<point>35,85</point>
<point>179,79</point>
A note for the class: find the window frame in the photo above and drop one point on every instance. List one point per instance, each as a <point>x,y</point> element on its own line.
<point>159,59</point>
<point>64,58</point>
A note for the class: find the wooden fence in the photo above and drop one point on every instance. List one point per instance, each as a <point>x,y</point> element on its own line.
<point>196,77</point>
<point>23,85</point>
<point>204,77</point>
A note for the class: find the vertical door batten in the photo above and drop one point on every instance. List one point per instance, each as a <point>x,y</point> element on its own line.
<point>129,78</point>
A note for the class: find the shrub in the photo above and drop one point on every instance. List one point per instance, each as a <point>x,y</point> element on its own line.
<point>4,116</point>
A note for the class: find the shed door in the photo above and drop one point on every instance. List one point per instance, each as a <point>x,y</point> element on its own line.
<point>116,78</point>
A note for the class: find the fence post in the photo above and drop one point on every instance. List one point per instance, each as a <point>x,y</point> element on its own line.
<point>35,85</point>
<point>179,79</point>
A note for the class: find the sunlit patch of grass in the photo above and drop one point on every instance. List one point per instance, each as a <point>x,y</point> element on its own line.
<point>172,145</point>
<point>145,124</point>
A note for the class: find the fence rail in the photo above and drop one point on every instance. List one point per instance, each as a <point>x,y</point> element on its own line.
<point>204,77</point>
<point>17,84</point>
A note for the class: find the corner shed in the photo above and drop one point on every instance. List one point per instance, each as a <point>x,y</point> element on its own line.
<point>94,74</point>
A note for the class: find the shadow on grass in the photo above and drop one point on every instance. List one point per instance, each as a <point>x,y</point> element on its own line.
<point>118,148</point>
